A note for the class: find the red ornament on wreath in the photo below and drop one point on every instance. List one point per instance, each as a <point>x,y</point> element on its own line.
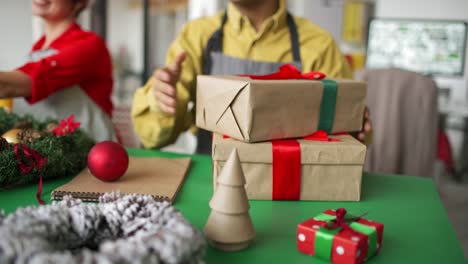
<point>108,161</point>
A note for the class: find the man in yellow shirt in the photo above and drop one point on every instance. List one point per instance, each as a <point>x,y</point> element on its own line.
<point>251,37</point>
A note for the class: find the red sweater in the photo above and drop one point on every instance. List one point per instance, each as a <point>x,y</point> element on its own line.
<point>81,59</point>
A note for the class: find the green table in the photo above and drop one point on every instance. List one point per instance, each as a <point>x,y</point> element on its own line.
<point>417,229</point>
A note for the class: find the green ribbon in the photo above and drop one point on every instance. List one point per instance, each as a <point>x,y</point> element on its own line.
<point>371,233</point>
<point>325,217</point>
<point>323,244</point>
<point>328,106</point>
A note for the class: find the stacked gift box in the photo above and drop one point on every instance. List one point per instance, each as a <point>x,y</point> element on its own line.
<point>290,131</point>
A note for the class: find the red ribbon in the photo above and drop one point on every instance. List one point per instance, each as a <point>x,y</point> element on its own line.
<point>286,170</point>
<point>32,160</point>
<point>321,135</point>
<point>287,166</point>
<point>289,72</point>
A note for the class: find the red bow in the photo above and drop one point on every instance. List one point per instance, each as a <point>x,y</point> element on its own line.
<point>289,72</point>
<point>321,135</point>
<point>66,127</point>
<point>32,160</point>
<point>340,220</point>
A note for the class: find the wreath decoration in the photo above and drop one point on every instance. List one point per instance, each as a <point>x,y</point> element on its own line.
<point>118,229</point>
<point>47,149</point>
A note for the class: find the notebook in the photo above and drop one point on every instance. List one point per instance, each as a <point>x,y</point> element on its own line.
<point>159,177</point>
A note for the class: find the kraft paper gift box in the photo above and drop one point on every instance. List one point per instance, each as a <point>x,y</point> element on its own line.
<point>296,169</point>
<point>253,110</point>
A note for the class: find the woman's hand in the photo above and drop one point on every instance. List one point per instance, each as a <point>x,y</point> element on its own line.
<point>15,84</point>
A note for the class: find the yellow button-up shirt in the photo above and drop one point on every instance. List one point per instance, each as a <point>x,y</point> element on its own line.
<point>271,43</point>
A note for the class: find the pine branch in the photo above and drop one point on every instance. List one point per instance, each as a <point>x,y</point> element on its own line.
<point>66,155</point>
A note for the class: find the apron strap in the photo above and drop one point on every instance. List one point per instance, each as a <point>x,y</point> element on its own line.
<point>215,44</point>
<point>294,38</point>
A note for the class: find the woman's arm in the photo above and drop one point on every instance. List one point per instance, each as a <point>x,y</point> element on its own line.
<point>81,60</point>
<point>14,84</point>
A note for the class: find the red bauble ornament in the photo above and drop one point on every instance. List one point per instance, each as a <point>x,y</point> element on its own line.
<point>108,161</point>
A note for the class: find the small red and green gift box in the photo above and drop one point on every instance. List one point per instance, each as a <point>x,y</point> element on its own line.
<point>340,238</point>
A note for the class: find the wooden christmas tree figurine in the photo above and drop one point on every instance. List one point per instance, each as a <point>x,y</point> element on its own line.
<point>229,227</point>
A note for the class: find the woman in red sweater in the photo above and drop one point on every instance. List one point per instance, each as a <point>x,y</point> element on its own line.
<point>69,72</point>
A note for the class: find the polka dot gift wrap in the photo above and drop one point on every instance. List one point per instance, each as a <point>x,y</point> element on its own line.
<point>353,241</point>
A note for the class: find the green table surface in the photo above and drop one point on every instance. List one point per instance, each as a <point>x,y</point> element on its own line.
<point>417,229</point>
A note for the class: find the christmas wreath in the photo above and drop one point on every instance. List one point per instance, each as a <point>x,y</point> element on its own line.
<point>118,229</point>
<point>31,150</point>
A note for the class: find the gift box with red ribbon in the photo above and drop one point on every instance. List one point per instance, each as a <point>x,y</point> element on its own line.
<point>316,167</point>
<point>340,238</point>
<point>286,104</point>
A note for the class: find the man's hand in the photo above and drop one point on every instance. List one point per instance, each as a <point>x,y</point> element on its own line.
<point>164,88</point>
<point>365,136</point>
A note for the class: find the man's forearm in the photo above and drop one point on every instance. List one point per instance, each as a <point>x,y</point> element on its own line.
<point>14,84</point>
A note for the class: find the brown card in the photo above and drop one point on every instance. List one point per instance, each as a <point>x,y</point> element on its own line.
<point>159,177</point>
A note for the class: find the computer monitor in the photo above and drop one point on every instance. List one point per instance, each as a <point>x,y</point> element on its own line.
<point>431,47</point>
